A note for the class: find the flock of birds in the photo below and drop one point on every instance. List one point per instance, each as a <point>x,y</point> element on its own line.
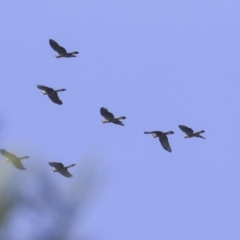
<point>108,118</point>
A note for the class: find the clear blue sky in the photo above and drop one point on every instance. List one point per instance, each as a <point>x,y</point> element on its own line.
<point>161,64</point>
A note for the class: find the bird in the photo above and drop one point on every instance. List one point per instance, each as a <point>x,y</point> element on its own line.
<point>190,133</point>
<point>109,117</point>
<point>52,94</point>
<point>61,51</point>
<point>16,161</point>
<point>59,167</point>
<point>162,138</point>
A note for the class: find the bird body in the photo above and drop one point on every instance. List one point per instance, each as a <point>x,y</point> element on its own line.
<point>16,161</point>
<point>52,94</point>
<point>190,133</point>
<point>61,51</point>
<point>162,138</point>
<point>59,167</point>
<point>109,117</point>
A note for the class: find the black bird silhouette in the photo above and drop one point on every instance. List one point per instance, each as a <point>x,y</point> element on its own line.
<point>190,133</point>
<point>52,94</point>
<point>61,51</point>
<point>109,117</point>
<point>59,167</point>
<point>162,138</point>
<point>16,161</point>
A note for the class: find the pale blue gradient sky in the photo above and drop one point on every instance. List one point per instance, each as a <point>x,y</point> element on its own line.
<point>161,64</point>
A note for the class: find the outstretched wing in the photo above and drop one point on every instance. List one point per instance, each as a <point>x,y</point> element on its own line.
<point>7,154</point>
<point>56,47</point>
<point>164,141</point>
<point>65,173</point>
<point>56,165</point>
<point>45,89</point>
<point>186,129</point>
<point>17,163</point>
<point>105,113</point>
<point>54,97</point>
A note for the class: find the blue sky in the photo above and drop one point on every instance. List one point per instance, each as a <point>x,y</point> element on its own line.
<point>161,64</point>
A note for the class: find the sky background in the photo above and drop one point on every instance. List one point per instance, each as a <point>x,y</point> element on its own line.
<point>160,64</point>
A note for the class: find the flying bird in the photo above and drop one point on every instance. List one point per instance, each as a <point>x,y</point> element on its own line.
<point>190,133</point>
<point>61,51</point>
<point>162,138</point>
<point>16,161</point>
<point>59,167</point>
<point>52,94</point>
<point>109,117</point>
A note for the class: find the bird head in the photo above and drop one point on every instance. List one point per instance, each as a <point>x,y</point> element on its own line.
<point>104,121</point>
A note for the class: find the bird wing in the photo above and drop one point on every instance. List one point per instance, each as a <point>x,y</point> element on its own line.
<point>54,97</point>
<point>56,47</point>
<point>56,165</point>
<point>186,129</point>
<point>7,154</point>
<point>105,113</point>
<point>45,89</point>
<point>65,173</point>
<point>164,141</point>
<point>17,163</point>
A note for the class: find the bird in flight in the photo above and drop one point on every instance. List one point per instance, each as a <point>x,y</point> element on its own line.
<point>61,51</point>
<point>190,133</point>
<point>16,161</point>
<point>52,94</point>
<point>59,167</point>
<point>109,117</point>
<point>162,138</point>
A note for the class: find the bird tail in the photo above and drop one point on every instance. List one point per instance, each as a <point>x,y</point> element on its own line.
<point>72,165</point>
<point>121,118</point>
<point>25,157</point>
<point>202,131</point>
<point>168,133</point>
<point>74,52</point>
<point>197,134</point>
<point>148,132</point>
<point>60,90</point>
